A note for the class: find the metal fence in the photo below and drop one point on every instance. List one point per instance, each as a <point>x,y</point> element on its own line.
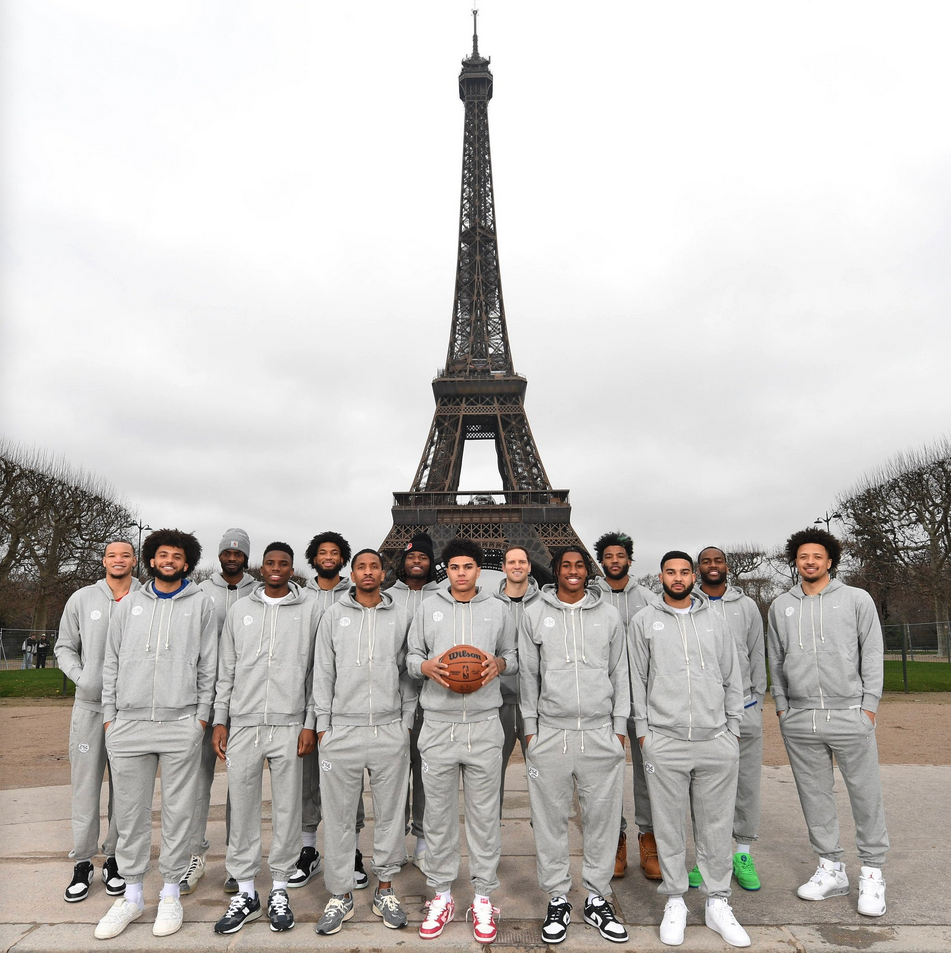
<point>27,648</point>
<point>917,641</point>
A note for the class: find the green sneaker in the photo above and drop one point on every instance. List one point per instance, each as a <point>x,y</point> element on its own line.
<point>695,878</point>
<point>745,872</point>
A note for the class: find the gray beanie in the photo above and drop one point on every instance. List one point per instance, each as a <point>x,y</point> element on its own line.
<point>235,539</point>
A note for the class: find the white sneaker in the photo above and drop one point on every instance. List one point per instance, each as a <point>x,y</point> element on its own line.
<point>120,915</point>
<point>718,915</point>
<point>194,873</point>
<point>168,920</point>
<point>826,882</point>
<point>674,923</point>
<point>871,892</point>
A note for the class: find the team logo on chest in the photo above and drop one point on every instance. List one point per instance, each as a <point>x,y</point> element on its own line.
<point>548,622</point>
<point>248,619</point>
<point>345,621</point>
<point>95,614</point>
<point>789,610</point>
<point>437,616</point>
<point>137,610</point>
<point>657,626</point>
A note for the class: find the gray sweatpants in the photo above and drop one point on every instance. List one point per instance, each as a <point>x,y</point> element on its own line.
<point>812,738</point>
<point>701,775</point>
<point>474,750</point>
<point>311,810</point>
<point>746,813</point>
<point>87,764</point>
<point>248,749</point>
<point>415,797</point>
<point>345,752</point>
<point>642,801</point>
<point>136,750</point>
<point>198,840</point>
<point>510,717</point>
<point>559,762</point>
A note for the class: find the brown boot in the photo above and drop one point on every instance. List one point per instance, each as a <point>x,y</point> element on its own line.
<point>620,859</point>
<point>649,862</point>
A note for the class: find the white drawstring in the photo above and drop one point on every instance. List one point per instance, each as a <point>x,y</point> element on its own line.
<point>168,623</point>
<point>564,746</point>
<point>148,640</point>
<point>699,644</point>
<point>582,740</point>
<point>360,635</point>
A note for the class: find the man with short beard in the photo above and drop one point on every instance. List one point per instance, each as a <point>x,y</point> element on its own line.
<point>224,589</point>
<point>687,696</point>
<point>157,683</point>
<point>80,649</point>
<point>615,552</point>
<point>416,581</point>
<point>327,553</point>
<point>743,621</point>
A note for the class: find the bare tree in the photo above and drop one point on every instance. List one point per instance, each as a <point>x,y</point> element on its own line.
<point>54,523</point>
<point>899,522</point>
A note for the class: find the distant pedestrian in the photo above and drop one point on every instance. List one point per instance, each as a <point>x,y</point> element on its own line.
<point>29,644</point>
<point>42,650</point>
<point>826,657</point>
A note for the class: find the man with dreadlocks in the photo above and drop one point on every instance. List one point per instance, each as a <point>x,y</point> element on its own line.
<point>575,696</point>
<point>615,552</point>
<point>327,553</point>
<point>158,678</point>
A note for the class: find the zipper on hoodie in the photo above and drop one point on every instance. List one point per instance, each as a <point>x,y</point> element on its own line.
<point>371,618</point>
<point>158,648</point>
<point>574,645</point>
<point>815,644</point>
<point>272,610</point>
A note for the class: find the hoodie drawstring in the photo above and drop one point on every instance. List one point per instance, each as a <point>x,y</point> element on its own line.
<point>148,640</point>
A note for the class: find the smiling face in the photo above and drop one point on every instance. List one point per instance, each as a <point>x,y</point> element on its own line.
<point>328,561</point>
<point>713,567</point>
<point>232,562</point>
<point>276,572</point>
<point>416,565</point>
<point>677,578</point>
<point>572,576</point>
<point>119,560</point>
<point>169,563</point>
<point>813,562</point>
<point>615,562</point>
<point>516,566</point>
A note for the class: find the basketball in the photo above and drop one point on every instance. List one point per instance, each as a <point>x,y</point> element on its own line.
<point>465,668</point>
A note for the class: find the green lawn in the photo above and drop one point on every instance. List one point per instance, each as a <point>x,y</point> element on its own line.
<point>922,676</point>
<point>34,683</point>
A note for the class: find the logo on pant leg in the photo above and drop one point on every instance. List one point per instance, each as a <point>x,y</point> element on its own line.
<point>83,748</point>
<point>227,762</point>
<point>424,765</point>
<point>533,773</point>
<point>648,768</point>
<point>325,765</point>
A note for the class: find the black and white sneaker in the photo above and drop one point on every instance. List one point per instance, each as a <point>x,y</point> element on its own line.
<point>78,888</point>
<point>360,878</point>
<point>555,928</point>
<point>308,866</point>
<point>241,909</point>
<point>599,913</point>
<point>279,911</point>
<point>115,884</point>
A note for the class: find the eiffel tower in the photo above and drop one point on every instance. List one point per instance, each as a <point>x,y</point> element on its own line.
<point>478,394</point>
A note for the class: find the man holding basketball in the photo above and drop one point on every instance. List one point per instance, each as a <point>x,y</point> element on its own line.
<point>461,731</point>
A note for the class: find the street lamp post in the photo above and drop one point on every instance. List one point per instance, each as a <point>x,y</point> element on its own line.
<point>141,527</point>
<point>827,519</point>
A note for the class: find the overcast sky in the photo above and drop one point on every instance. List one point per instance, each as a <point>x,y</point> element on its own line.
<point>229,238</point>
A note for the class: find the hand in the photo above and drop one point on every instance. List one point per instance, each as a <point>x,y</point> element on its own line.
<point>306,742</point>
<point>640,741</point>
<point>871,715</point>
<point>622,739</point>
<point>204,724</point>
<point>320,735</point>
<point>434,669</point>
<point>219,741</point>
<point>494,667</point>
<point>528,740</point>
<point>105,727</point>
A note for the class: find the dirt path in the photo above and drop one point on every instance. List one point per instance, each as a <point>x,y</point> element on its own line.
<point>913,729</point>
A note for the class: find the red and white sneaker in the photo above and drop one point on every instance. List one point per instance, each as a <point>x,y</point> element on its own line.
<point>483,921</point>
<point>439,913</point>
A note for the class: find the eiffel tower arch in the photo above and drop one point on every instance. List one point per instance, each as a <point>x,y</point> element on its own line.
<point>478,394</point>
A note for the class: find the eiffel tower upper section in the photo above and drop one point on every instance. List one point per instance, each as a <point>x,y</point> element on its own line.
<point>478,394</point>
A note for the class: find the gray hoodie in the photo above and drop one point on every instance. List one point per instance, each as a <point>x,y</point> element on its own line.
<point>573,661</point>
<point>743,621</point>
<point>81,645</point>
<point>327,597</point>
<point>225,597</point>
<point>266,661</point>
<point>411,599</point>
<point>510,682</point>
<point>360,675</point>
<point>161,657</point>
<point>826,651</point>
<point>629,600</point>
<point>685,674</point>
<point>440,623</point>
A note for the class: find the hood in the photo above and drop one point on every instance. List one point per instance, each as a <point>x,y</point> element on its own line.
<point>350,601</point>
<point>833,585</point>
<point>296,592</point>
<point>104,587</point>
<point>481,596</point>
<point>190,590</point>
<point>530,592</point>
<point>218,580</point>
